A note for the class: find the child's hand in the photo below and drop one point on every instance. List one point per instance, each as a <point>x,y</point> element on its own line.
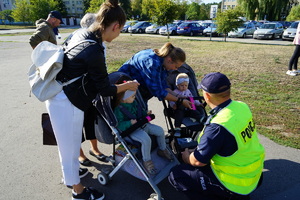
<point>149,112</point>
<point>133,121</point>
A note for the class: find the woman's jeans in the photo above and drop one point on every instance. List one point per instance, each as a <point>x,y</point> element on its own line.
<point>67,123</point>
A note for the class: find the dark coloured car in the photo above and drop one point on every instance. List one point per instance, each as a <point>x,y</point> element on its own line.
<point>127,25</point>
<point>139,27</point>
<point>190,28</point>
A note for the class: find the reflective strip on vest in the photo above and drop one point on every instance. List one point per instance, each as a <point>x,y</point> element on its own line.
<point>241,171</point>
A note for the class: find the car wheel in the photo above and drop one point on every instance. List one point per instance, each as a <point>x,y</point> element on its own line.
<point>140,31</point>
<point>244,35</point>
<point>173,33</point>
<point>273,37</point>
<point>191,33</point>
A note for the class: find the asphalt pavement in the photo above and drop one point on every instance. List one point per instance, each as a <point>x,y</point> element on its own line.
<point>30,170</point>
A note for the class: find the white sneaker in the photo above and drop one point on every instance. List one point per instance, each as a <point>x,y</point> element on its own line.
<point>291,73</point>
<point>297,71</point>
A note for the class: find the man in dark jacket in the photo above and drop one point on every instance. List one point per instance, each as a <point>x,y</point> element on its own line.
<point>44,29</point>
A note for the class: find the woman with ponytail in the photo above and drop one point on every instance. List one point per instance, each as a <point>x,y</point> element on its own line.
<point>84,63</point>
<point>149,67</point>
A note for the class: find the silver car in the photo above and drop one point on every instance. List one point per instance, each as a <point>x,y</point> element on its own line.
<point>269,30</point>
<point>290,32</point>
<point>154,28</point>
<point>247,28</point>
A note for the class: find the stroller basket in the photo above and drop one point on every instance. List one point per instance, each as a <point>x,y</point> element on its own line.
<point>109,133</point>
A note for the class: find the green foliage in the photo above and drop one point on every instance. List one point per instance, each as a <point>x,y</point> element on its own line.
<point>294,14</point>
<point>61,7</point>
<point>136,8</point>
<point>193,11</point>
<point>6,15</point>
<point>125,4</point>
<point>94,6</point>
<point>41,8</point>
<point>21,11</point>
<point>260,8</point>
<point>204,12</point>
<point>161,12</point>
<point>228,20</point>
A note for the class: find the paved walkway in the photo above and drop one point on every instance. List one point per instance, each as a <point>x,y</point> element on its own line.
<point>30,170</point>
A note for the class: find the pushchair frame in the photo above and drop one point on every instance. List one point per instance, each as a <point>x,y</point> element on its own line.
<point>103,105</point>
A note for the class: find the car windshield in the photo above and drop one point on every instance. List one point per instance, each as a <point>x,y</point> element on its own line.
<point>184,24</point>
<point>139,24</point>
<point>130,23</point>
<point>213,25</point>
<point>244,25</point>
<point>268,26</point>
<point>294,25</point>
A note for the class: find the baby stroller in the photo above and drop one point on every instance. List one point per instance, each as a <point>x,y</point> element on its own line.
<point>107,132</point>
<point>191,127</point>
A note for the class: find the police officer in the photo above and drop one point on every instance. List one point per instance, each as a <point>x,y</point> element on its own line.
<point>228,161</point>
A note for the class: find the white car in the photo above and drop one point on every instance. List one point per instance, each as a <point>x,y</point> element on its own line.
<point>154,29</point>
<point>247,28</point>
<point>212,29</point>
<point>269,30</point>
<point>290,32</point>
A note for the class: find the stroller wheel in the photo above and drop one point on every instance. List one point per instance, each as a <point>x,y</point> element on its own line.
<point>102,178</point>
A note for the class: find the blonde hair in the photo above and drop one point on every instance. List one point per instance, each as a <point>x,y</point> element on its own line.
<point>175,53</point>
<point>109,12</point>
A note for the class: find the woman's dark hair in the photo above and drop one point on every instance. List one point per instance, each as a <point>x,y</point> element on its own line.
<point>175,53</point>
<point>110,11</point>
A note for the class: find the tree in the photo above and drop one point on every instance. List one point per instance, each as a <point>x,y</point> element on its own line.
<point>249,7</point>
<point>136,8</point>
<point>94,6</point>
<point>6,15</point>
<point>21,11</point>
<point>86,5</point>
<point>161,12</point>
<point>228,20</point>
<point>193,11</point>
<point>41,8</point>
<point>294,14</point>
<point>204,13</point>
<point>126,5</point>
<point>61,7</point>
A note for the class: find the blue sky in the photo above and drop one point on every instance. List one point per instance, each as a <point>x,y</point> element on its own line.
<point>211,1</point>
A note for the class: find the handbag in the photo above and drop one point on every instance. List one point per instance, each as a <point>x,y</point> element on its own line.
<point>48,134</point>
<point>47,61</point>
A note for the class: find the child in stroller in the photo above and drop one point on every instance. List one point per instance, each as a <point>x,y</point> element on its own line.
<point>182,91</point>
<point>127,113</point>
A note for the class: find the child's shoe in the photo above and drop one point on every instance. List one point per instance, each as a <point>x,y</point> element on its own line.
<point>165,153</point>
<point>150,167</point>
<point>177,132</point>
<point>291,73</point>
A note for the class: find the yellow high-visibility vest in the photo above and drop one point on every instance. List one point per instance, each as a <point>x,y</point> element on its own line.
<point>241,171</point>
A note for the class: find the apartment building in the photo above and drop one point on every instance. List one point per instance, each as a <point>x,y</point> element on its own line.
<point>74,7</point>
<point>227,4</point>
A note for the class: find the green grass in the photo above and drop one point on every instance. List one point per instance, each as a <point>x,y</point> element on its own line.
<point>257,73</point>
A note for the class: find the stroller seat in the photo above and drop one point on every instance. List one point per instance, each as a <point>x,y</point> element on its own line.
<point>191,127</point>
<point>107,132</point>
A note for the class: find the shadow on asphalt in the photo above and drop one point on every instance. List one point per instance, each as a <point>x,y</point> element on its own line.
<point>279,176</point>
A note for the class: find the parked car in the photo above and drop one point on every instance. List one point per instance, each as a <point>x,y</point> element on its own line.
<point>127,25</point>
<point>190,28</point>
<point>172,29</point>
<point>290,32</point>
<point>269,30</point>
<point>212,29</point>
<point>154,28</point>
<point>285,24</point>
<point>139,27</point>
<point>205,24</point>
<point>247,28</point>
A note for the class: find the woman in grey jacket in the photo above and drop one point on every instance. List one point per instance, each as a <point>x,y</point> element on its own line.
<point>67,108</point>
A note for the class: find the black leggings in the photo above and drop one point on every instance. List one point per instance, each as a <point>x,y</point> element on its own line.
<point>294,58</point>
